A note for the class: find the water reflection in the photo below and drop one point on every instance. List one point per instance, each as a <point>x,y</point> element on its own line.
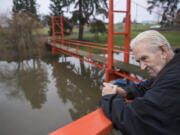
<point>79,85</point>
<point>30,78</point>
<point>39,96</point>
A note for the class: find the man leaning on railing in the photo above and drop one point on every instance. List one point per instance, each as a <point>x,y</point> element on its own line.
<point>155,109</point>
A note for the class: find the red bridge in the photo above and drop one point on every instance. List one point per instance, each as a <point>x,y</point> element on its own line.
<point>96,123</point>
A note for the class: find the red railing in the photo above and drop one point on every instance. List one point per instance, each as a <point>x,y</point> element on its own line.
<point>94,123</point>
<point>102,47</point>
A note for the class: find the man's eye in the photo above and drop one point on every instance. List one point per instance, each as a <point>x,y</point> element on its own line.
<point>144,58</point>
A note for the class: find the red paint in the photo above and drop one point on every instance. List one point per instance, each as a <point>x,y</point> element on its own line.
<point>54,32</point>
<point>109,70</point>
<point>94,123</point>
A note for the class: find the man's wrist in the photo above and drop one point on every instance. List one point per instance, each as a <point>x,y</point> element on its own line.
<point>121,91</point>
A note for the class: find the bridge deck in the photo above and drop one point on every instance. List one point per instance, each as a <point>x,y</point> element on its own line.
<point>95,57</point>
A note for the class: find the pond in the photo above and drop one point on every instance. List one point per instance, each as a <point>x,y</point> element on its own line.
<point>38,96</point>
<point>41,94</point>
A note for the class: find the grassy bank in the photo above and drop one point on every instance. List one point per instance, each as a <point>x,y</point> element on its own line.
<point>172,37</point>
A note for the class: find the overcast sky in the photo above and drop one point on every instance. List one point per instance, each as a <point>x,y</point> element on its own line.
<point>137,11</point>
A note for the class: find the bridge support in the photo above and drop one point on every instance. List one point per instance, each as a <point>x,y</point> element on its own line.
<point>110,74</point>
<point>57,21</point>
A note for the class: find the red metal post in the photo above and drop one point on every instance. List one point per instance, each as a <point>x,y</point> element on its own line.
<point>62,30</point>
<point>77,48</point>
<point>127,31</point>
<point>54,36</point>
<point>89,50</point>
<point>110,41</point>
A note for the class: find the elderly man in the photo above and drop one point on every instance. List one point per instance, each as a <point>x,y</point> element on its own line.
<point>155,109</point>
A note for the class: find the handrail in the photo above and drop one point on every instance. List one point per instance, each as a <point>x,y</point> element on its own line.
<point>93,43</point>
<point>94,123</point>
<point>90,46</point>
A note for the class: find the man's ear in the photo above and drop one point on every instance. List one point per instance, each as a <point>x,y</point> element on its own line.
<point>164,50</point>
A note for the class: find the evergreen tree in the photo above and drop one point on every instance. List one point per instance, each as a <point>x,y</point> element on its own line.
<point>18,5</point>
<point>57,8</point>
<point>28,6</point>
<point>32,6</point>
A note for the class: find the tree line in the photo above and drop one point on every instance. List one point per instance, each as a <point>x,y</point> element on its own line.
<point>84,12</point>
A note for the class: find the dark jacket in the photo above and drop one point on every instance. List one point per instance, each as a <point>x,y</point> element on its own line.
<point>155,109</point>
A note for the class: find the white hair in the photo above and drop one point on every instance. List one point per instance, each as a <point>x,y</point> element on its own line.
<point>152,38</point>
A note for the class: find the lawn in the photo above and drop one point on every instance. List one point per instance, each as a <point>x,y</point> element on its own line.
<point>172,36</point>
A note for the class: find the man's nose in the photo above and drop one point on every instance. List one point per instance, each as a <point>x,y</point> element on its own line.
<point>143,65</point>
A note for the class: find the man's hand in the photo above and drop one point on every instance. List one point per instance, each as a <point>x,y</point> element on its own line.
<point>113,89</point>
<point>109,89</point>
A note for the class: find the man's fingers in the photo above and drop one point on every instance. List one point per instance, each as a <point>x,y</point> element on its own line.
<point>105,84</point>
<point>114,87</point>
<point>109,90</point>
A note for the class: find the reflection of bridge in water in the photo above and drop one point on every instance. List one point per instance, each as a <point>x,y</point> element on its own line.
<point>78,88</point>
